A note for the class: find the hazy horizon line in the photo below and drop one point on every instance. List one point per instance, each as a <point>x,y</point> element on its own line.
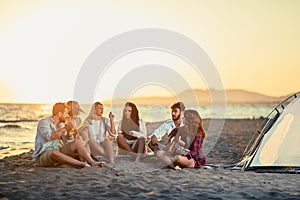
<point>145,96</point>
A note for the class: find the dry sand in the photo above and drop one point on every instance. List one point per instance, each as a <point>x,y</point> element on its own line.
<point>21,179</point>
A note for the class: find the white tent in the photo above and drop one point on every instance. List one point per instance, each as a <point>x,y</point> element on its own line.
<point>276,145</point>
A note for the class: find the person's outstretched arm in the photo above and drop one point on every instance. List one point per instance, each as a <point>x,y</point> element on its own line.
<point>110,125</point>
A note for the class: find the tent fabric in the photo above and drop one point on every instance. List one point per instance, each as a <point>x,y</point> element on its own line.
<point>279,145</point>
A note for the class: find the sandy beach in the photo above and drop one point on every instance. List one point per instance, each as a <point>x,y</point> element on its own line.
<point>21,179</point>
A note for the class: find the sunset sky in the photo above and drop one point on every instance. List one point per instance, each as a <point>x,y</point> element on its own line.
<point>254,45</point>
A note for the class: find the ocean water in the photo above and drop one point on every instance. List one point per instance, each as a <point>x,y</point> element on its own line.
<point>18,122</point>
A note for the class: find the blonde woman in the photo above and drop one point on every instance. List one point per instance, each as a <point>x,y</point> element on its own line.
<point>98,128</point>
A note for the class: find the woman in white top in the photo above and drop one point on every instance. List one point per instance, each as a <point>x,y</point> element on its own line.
<point>74,110</point>
<point>132,132</point>
<point>99,126</point>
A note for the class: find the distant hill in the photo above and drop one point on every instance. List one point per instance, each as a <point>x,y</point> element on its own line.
<point>204,97</point>
<point>242,96</point>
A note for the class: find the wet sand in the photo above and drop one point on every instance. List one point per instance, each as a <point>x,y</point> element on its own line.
<point>21,179</point>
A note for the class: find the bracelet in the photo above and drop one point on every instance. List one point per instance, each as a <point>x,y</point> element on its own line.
<point>70,141</point>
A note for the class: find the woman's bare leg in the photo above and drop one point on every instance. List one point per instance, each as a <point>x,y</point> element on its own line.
<point>57,156</point>
<point>139,148</point>
<point>184,162</point>
<point>109,152</point>
<point>123,144</point>
<point>165,157</point>
<point>77,146</point>
<point>96,149</point>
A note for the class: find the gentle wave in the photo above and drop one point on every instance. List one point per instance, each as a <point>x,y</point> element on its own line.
<point>17,120</point>
<point>4,147</point>
<point>15,126</point>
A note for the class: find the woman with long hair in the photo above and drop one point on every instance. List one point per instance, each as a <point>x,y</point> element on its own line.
<point>184,146</point>
<point>74,118</point>
<point>132,132</point>
<point>98,127</point>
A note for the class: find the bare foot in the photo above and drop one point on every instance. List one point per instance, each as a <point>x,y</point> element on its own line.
<point>110,165</point>
<point>98,164</point>
<point>101,164</point>
<point>87,165</point>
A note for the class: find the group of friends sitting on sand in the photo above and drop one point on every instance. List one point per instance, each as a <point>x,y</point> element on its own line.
<point>63,138</point>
